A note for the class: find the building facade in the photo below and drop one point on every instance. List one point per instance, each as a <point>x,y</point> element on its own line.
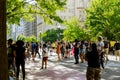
<point>73,8</point>
<point>30,28</point>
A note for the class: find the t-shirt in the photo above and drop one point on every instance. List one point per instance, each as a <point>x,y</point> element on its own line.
<point>117,46</point>
<point>62,49</point>
<point>93,59</point>
<point>10,50</point>
<point>20,53</point>
<point>106,44</point>
<point>99,45</point>
<point>45,52</point>
<point>76,51</point>
<point>33,46</point>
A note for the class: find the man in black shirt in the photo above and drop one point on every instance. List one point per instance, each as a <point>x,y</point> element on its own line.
<point>76,52</point>
<point>117,49</point>
<point>106,49</point>
<point>93,69</point>
<point>20,58</point>
<point>10,50</point>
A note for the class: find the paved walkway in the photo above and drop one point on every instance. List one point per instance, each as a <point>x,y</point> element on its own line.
<point>67,70</point>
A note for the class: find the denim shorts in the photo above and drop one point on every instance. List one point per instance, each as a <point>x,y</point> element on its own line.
<point>81,51</point>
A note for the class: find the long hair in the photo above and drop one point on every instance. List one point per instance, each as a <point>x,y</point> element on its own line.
<point>20,43</point>
<point>94,47</point>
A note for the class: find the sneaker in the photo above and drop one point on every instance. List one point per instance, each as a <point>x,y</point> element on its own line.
<point>76,63</point>
<point>41,68</point>
<point>45,67</point>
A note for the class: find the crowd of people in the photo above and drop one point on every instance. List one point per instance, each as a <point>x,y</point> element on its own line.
<point>93,52</point>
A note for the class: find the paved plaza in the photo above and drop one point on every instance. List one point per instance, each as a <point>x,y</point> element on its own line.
<point>67,70</point>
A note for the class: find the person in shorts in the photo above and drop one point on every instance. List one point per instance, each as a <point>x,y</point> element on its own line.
<point>93,69</point>
<point>100,48</point>
<point>82,51</point>
<point>45,56</point>
<point>117,50</point>
<point>106,48</point>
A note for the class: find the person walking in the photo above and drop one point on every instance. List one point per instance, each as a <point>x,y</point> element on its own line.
<point>76,52</point>
<point>58,50</point>
<point>37,49</point>
<point>45,56</point>
<point>33,50</point>
<point>100,47</point>
<point>106,49</point>
<point>10,53</point>
<point>117,50</point>
<point>62,49</point>
<point>19,54</point>
<point>92,58</point>
<point>28,55</point>
<point>82,51</point>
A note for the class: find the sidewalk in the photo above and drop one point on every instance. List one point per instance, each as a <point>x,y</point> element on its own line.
<point>67,70</point>
<point>55,71</point>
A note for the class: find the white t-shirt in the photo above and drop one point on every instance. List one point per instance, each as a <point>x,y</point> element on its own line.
<point>45,54</point>
<point>99,45</point>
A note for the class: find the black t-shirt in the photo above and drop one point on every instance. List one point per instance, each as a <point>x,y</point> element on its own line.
<point>36,46</point>
<point>117,46</point>
<point>93,59</point>
<point>10,51</point>
<point>106,44</point>
<point>20,53</point>
<point>76,50</point>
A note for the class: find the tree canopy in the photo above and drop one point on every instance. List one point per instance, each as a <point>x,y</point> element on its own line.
<point>75,31</point>
<point>28,9</point>
<point>103,18</point>
<point>52,35</point>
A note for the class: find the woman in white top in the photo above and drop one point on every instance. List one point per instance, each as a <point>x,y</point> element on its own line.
<point>45,56</point>
<point>100,47</point>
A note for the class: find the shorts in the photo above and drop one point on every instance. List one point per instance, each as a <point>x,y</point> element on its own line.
<point>106,51</point>
<point>45,58</point>
<point>32,52</point>
<point>117,52</point>
<point>93,73</point>
<point>81,51</point>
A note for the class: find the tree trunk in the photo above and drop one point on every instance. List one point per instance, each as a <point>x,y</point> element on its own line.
<point>3,53</point>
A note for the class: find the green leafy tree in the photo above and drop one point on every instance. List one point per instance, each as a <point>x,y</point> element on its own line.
<point>30,39</point>
<point>27,39</point>
<point>33,39</point>
<point>74,31</point>
<point>103,18</point>
<point>21,37</point>
<point>28,9</point>
<point>52,35</point>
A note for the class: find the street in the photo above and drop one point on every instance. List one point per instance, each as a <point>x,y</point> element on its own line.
<point>67,70</point>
